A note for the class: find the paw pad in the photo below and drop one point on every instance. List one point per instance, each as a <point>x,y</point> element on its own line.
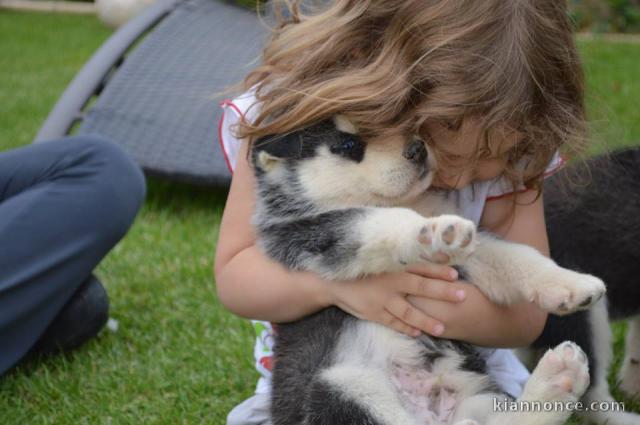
<point>446,239</point>
<point>449,235</point>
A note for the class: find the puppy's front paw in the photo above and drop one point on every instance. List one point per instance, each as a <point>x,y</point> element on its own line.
<point>564,291</point>
<point>562,374</point>
<point>447,239</point>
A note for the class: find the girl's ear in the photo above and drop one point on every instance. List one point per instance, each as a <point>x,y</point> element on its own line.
<point>267,162</point>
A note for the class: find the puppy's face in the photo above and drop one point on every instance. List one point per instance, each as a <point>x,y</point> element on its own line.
<point>333,166</point>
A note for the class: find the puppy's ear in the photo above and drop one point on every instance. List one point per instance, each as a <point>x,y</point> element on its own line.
<point>343,124</point>
<point>266,161</point>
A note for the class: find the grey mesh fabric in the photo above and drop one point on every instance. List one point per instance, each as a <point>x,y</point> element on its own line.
<point>162,104</point>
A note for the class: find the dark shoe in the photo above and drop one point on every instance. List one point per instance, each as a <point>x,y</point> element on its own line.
<point>80,319</point>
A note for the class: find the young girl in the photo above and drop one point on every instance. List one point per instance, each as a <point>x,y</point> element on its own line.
<point>493,87</point>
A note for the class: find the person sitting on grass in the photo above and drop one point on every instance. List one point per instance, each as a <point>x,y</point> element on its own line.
<point>64,205</point>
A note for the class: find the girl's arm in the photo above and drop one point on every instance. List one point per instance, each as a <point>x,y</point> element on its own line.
<point>251,285</point>
<point>477,320</point>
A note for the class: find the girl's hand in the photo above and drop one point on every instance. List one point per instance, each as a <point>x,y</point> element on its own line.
<point>479,321</point>
<point>383,298</point>
<point>464,320</point>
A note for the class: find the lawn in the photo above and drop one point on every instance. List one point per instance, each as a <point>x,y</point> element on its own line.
<point>178,357</point>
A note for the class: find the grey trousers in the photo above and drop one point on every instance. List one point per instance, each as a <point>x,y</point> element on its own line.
<point>63,205</point>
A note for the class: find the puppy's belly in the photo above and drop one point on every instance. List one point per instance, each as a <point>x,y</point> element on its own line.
<point>423,395</point>
<point>427,391</point>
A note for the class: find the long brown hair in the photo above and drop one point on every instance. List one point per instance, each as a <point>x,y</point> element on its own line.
<point>400,63</point>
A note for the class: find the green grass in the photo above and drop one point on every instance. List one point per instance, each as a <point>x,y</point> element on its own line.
<point>613,87</point>
<point>178,356</point>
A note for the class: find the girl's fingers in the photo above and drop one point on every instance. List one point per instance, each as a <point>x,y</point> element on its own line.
<point>402,310</point>
<point>434,289</point>
<point>390,321</point>
<point>433,271</point>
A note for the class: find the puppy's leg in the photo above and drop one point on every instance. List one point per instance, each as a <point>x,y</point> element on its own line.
<point>607,410</point>
<point>391,238</point>
<point>630,371</point>
<point>561,377</point>
<point>346,244</point>
<point>509,273</point>
<point>345,389</point>
<point>590,330</point>
<point>327,406</point>
<point>601,340</point>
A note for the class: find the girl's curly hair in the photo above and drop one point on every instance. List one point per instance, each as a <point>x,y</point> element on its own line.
<point>397,64</point>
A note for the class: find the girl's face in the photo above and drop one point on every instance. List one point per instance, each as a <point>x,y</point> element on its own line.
<point>463,159</point>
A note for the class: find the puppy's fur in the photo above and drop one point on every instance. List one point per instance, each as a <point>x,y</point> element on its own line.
<point>334,204</point>
<point>592,212</point>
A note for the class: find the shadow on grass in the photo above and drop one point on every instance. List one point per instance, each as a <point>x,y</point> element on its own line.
<point>176,197</point>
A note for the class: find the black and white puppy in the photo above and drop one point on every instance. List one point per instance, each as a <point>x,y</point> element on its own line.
<point>592,212</point>
<point>334,204</point>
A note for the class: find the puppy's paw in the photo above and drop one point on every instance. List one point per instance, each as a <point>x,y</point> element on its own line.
<point>562,374</point>
<point>563,291</point>
<point>447,239</point>
<point>467,422</point>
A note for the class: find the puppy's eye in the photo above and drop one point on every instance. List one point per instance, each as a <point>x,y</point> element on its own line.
<point>346,145</point>
<point>349,146</point>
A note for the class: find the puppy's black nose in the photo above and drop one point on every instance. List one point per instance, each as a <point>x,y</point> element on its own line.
<point>416,152</point>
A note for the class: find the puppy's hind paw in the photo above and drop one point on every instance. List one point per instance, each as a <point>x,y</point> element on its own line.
<point>561,374</point>
<point>564,291</point>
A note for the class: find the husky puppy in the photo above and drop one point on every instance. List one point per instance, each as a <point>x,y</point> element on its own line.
<point>333,203</point>
<point>592,213</point>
